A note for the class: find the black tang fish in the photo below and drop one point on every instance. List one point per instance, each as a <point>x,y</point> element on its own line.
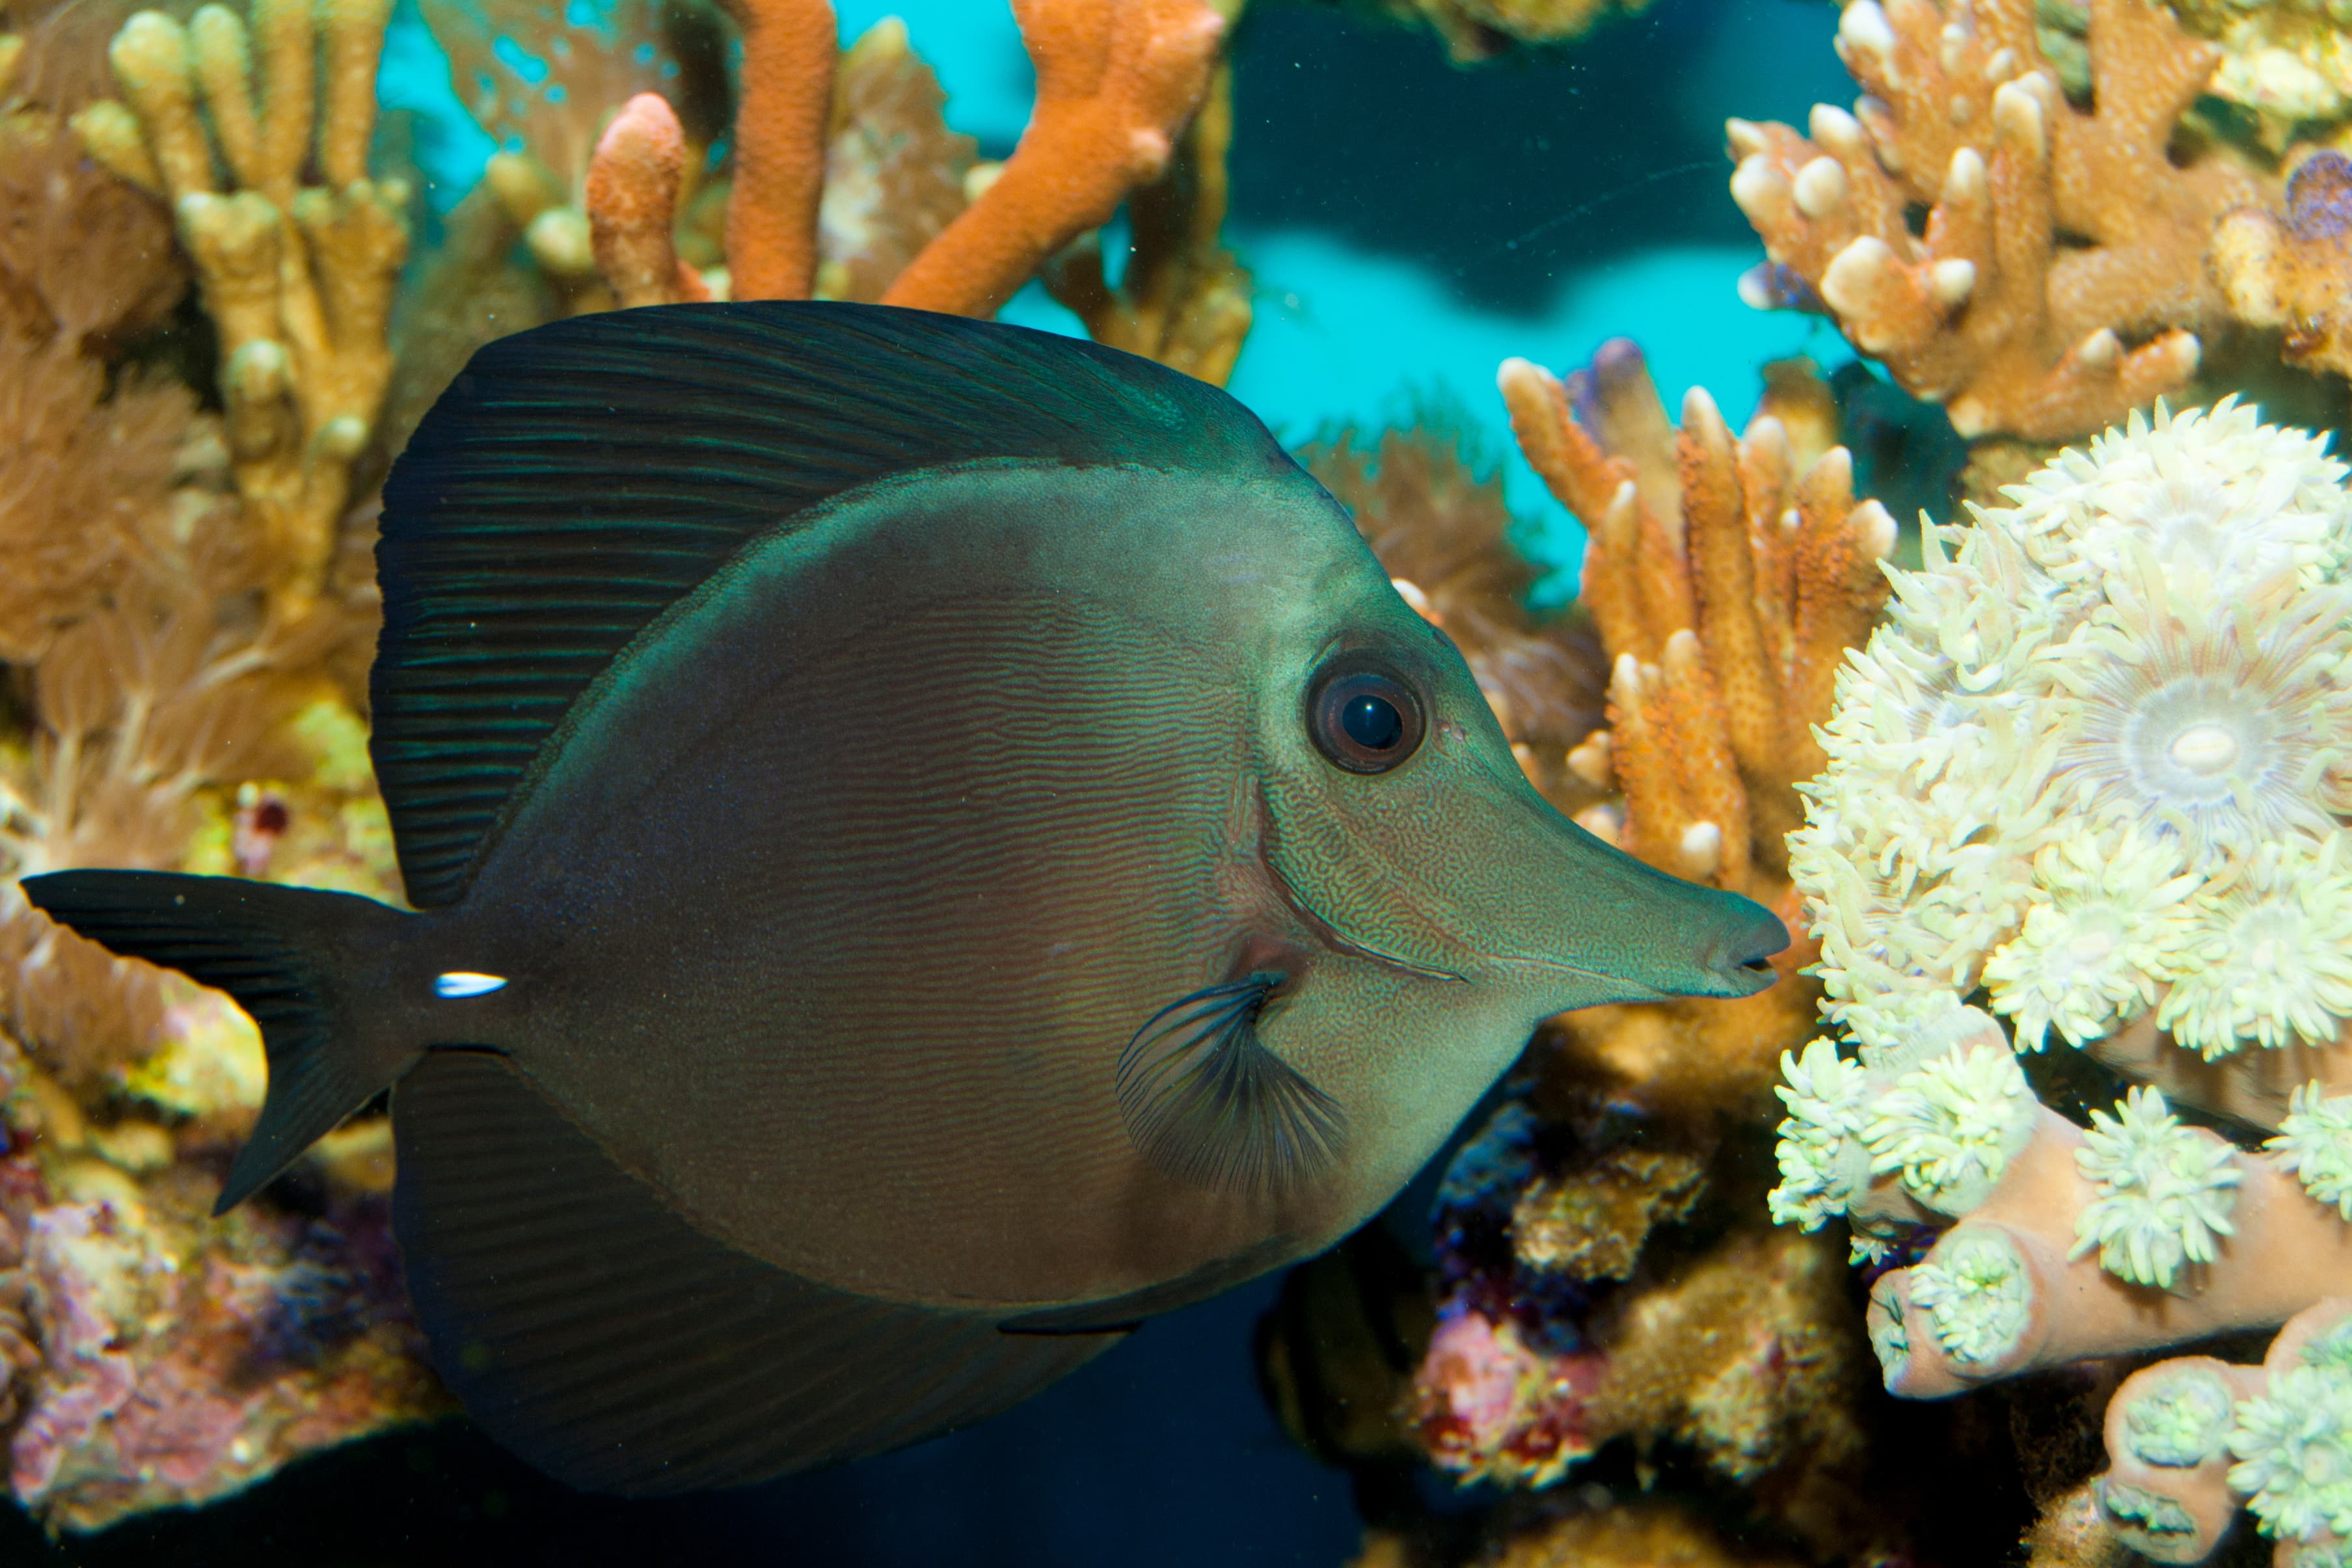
<point>930,842</point>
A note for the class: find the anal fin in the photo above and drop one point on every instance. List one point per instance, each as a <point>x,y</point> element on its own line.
<point>595,1332</point>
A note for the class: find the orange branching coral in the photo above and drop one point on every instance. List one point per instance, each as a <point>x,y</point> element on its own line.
<point>1728,578</point>
<point>1116,79</point>
<point>2297,273</point>
<point>632,200</point>
<point>2056,237</point>
<point>780,147</point>
<point>893,172</point>
<point>1442,533</point>
<point>1183,300</point>
<point>544,101</point>
<point>298,277</point>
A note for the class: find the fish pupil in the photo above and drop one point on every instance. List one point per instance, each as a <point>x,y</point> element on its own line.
<point>1372,723</point>
<point>1364,720</point>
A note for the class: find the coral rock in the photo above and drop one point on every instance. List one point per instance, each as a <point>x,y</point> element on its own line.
<point>2297,274</point>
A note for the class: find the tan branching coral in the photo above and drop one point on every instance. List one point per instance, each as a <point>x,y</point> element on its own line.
<point>2289,62</point>
<point>1183,299</point>
<point>296,276</point>
<point>1476,30</point>
<point>2059,279</point>
<point>1726,578</point>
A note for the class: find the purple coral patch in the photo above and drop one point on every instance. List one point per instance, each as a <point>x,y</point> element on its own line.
<point>2319,197</point>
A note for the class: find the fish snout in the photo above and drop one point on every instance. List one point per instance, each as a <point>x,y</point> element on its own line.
<point>1742,956</point>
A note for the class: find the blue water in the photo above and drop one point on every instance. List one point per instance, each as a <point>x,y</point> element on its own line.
<point>1410,225</point>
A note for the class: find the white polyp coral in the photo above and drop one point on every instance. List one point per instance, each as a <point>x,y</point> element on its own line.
<point>2050,770</point>
<point>2274,952</point>
<point>2228,503</point>
<point>1978,1296</point>
<point>1951,1126</point>
<point>2109,918</point>
<point>2315,1141</point>
<point>2294,1446</point>
<point>2165,1192</point>
<point>2181,1421</point>
<point>2216,719</point>
<point>1823,1164</point>
<point>1940,1099</point>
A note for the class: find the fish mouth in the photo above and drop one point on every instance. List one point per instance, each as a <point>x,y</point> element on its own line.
<point>1740,965</point>
<point>1744,957</point>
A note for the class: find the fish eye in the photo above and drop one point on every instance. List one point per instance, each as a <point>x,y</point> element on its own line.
<point>1365,720</point>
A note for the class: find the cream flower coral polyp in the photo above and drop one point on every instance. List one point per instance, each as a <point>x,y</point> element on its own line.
<point>2074,734</point>
<point>2221,724</point>
<point>2274,952</point>
<point>2111,932</point>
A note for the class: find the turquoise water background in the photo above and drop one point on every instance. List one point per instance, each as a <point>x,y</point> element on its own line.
<point>1587,187</point>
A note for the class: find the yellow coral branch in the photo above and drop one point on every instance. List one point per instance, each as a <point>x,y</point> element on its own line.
<point>297,279</point>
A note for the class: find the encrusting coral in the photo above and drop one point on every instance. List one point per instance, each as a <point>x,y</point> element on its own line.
<point>2060,278</point>
<point>1475,30</point>
<point>297,253</point>
<point>2094,770</point>
<point>2295,272</point>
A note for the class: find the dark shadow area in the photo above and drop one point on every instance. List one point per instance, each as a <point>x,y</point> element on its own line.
<point>1500,176</point>
<point>1160,1455</point>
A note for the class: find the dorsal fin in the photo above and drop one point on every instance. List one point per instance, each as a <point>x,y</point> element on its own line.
<point>577,479</point>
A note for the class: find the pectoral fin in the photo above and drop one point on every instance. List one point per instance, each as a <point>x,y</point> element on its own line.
<point>1209,1104</point>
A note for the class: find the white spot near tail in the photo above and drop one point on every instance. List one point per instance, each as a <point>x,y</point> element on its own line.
<point>466,983</point>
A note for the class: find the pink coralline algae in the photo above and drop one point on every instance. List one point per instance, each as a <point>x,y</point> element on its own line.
<point>1492,1406</point>
<point>157,1357</point>
<point>1581,1300</point>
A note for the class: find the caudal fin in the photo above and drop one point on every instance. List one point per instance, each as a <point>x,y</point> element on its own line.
<point>286,955</point>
